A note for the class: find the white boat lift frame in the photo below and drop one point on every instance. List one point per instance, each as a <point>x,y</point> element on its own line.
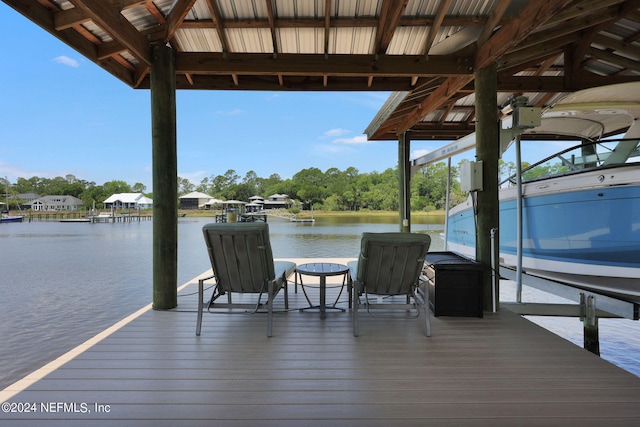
<point>586,309</point>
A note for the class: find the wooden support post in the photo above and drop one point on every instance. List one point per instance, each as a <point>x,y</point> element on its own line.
<point>487,151</point>
<point>404,182</point>
<point>165,179</point>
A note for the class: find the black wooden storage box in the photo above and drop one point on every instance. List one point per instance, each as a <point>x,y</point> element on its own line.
<point>455,284</point>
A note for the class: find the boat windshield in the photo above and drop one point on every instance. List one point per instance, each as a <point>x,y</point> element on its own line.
<point>589,155</point>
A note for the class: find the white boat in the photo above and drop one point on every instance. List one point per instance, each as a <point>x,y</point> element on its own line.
<point>6,216</point>
<point>11,218</point>
<point>582,225</point>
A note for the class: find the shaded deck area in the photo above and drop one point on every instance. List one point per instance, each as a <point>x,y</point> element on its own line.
<point>500,370</point>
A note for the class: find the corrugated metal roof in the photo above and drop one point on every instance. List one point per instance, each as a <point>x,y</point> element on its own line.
<point>361,45</point>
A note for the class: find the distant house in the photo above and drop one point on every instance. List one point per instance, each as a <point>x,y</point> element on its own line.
<point>194,200</point>
<point>28,197</point>
<point>23,199</point>
<point>55,203</point>
<point>256,204</point>
<point>277,201</point>
<point>128,201</point>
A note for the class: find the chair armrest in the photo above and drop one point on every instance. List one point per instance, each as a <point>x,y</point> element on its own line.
<point>204,279</point>
<point>284,268</point>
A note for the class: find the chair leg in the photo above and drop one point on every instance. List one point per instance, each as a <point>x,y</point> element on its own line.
<point>427,316</point>
<point>200,306</point>
<point>350,290</point>
<point>354,313</point>
<point>286,294</point>
<point>270,309</point>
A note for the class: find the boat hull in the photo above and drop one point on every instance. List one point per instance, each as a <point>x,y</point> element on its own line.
<point>582,229</point>
<point>11,219</point>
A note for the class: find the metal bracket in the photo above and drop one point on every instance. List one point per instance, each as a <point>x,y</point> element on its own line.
<point>588,309</point>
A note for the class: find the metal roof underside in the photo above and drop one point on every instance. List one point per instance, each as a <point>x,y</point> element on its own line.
<point>424,50</point>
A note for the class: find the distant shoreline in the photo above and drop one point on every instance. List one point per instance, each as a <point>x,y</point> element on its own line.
<point>327,214</point>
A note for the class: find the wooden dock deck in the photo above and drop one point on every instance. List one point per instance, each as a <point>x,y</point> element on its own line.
<point>151,370</point>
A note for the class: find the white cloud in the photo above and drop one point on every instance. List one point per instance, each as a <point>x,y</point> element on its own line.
<point>358,139</point>
<point>194,177</point>
<point>14,172</point>
<point>65,60</point>
<point>419,153</point>
<point>234,112</point>
<point>332,149</point>
<point>335,132</point>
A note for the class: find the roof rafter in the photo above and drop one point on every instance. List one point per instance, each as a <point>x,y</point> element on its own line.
<point>433,30</point>
<point>494,20</point>
<point>111,21</point>
<point>176,16</point>
<point>533,15</point>
<point>389,20</point>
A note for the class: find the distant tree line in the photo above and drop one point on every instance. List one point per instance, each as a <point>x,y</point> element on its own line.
<point>333,189</point>
<point>89,192</point>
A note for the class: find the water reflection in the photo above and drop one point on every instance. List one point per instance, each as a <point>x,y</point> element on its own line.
<point>335,237</point>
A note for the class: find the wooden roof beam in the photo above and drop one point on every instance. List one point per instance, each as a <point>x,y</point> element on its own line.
<point>272,25</point>
<point>155,12</point>
<point>514,60</point>
<point>318,64</point>
<point>71,17</point>
<point>220,29</point>
<point>175,18</point>
<point>617,45</point>
<point>49,4</point>
<point>112,21</point>
<point>612,58</point>
<point>446,112</point>
<point>389,19</point>
<point>433,30</point>
<point>287,83</point>
<point>532,16</point>
<point>570,28</point>
<point>327,25</point>
<point>578,9</point>
<point>493,22</point>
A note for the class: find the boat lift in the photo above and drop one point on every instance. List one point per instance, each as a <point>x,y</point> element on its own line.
<point>590,306</point>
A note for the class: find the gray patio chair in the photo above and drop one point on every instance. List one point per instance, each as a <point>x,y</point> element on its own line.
<point>389,265</point>
<point>242,262</point>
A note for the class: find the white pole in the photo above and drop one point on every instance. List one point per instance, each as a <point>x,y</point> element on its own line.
<point>446,211</point>
<point>518,222</point>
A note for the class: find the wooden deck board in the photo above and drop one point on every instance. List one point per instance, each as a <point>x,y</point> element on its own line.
<point>497,370</point>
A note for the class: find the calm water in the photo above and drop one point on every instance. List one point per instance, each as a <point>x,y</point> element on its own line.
<point>62,283</point>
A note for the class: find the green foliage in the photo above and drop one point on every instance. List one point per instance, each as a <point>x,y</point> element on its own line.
<point>337,190</point>
<point>90,193</point>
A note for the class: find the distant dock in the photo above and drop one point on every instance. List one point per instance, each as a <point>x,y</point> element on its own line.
<point>119,218</point>
<point>83,217</point>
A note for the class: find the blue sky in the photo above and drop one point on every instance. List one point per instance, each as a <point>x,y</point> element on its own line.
<point>62,114</point>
